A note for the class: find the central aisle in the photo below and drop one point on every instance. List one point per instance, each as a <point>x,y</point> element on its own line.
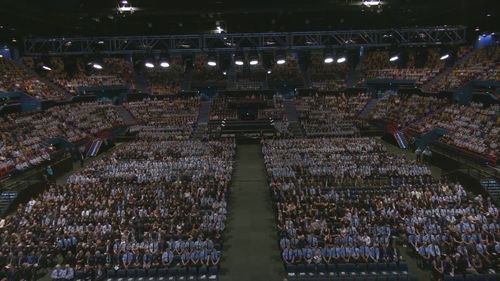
<point>251,249</point>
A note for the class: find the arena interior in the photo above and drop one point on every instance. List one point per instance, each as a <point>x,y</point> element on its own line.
<point>250,140</point>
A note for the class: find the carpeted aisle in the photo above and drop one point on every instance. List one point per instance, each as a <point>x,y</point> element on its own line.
<point>251,249</point>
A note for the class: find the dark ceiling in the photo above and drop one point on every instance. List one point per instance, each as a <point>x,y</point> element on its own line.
<point>19,18</point>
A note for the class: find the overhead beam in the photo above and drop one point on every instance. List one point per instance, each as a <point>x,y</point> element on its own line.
<point>231,42</point>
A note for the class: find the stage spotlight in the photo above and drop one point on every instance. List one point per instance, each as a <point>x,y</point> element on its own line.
<point>328,58</point>
<point>96,65</point>
<point>394,58</point>
<point>239,62</point>
<point>224,73</point>
<point>281,61</point>
<point>445,57</point>
<point>254,61</point>
<point>269,72</point>
<point>341,59</point>
<point>371,3</point>
<point>211,62</point>
<point>149,64</point>
<point>46,68</point>
<point>164,64</point>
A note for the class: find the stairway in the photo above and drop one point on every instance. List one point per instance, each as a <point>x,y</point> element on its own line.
<point>306,76</point>
<point>427,86</point>
<point>140,82</point>
<point>291,110</point>
<point>353,77</point>
<point>201,131</point>
<point>128,119</point>
<point>366,111</point>
<point>6,198</point>
<point>296,129</point>
<point>94,148</point>
<point>400,139</point>
<point>188,77</point>
<point>53,86</point>
<point>204,112</point>
<point>492,187</point>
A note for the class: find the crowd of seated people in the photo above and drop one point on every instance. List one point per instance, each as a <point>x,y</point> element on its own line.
<point>276,112</point>
<point>15,78</point>
<point>330,115</point>
<point>148,206</point>
<point>246,85</point>
<point>220,109</point>
<point>164,119</point>
<point>327,77</point>
<point>417,68</point>
<point>329,85</point>
<point>162,80</point>
<point>249,77</point>
<point>25,135</point>
<point>406,109</point>
<point>115,71</point>
<point>342,201</point>
<point>287,72</point>
<point>481,64</point>
<point>474,128</point>
<point>275,108</point>
<point>491,73</point>
<point>204,73</point>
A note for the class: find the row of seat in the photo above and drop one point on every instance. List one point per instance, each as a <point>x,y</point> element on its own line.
<point>175,273</point>
<point>339,268</point>
<point>356,277</point>
<point>473,277</point>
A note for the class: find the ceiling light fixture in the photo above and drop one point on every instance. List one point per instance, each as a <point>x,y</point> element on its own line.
<point>445,57</point>
<point>341,60</point>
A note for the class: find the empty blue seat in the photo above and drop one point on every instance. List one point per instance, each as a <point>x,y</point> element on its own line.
<point>350,267</point>
<point>202,272</point>
<point>392,266</point>
<point>172,272</point>
<point>213,273</point>
<point>141,273</point>
<point>121,273</point>
<point>182,271</point>
<point>392,278</point>
<point>131,273</point>
<point>331,268</point>
<point>192,271</point>
<point>161,272</point>
<point>321,269</point>
<point>301,269</point>
<point>362,267</point>
<point>342,267</point>
<point>291,270</point>
<point>403,266</point>
<point>110,273</point>
<point>310,269</point>
<point>492,277</point>
<point>380,267</point>
<point>79,275</point>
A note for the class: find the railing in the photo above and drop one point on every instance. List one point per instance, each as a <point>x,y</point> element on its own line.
<point>474,165</point>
